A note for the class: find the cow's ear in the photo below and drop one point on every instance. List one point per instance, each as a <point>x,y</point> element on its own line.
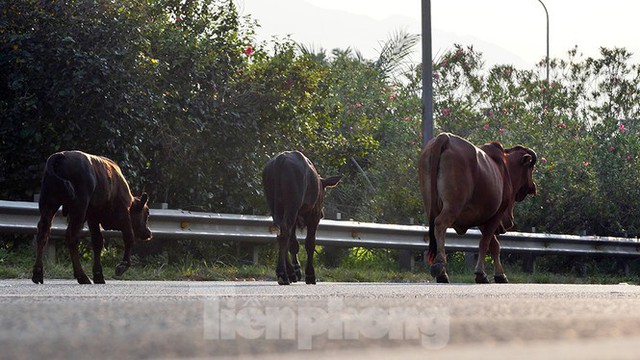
<point>144,198</point>
<point>527,160</point>
<point>331,181</point>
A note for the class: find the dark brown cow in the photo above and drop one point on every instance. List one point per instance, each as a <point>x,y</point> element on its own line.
<point>90,188</point>
<point>465,186</point>
<point>295,194</point>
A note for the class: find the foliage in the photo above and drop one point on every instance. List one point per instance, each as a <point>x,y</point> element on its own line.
<point>182,96</point>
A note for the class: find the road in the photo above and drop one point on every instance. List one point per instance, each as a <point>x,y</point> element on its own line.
<point>151,319</point>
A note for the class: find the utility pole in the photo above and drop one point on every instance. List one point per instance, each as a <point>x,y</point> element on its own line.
<point>547,58</point>
<point>427,74</point>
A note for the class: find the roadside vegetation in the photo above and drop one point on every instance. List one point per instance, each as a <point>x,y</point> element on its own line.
<point>356,265</point>
<point>191,106</point>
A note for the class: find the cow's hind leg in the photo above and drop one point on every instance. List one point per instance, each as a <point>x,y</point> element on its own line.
<point>499,276</point>
<point>440,225</point>
<point>293,268</point>
<point>44,232</point>
<point>97,242</point>
<point>72,236</point>
<point>310,247</point>
<point>283,248</point>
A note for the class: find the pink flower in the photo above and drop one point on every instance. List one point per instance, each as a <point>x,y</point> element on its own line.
<point>544,160</point>
<point>621,127</point>
<point>248,51</point>
<point>612,148</point>
<point>490,113</point>
<point>628,157</point>
<point>504,111</point>
<point>586,163</point>
<point>393,95</point>
<point>562,125</point>
<point>486,127</point>
<point>501,130</point>
<point>446,112</point>
<point>358,105</point>
<point>407,118</point>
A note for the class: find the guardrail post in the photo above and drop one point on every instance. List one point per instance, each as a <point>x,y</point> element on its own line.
<point>406,259</point>
<point>622,265</point>
<point>331,256</point>
<point>529,263</point>
<point>470,260</point>
<point>51,250</point>
<point>246,251</point>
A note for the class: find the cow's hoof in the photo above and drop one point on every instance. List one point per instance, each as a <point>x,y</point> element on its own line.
<point>83,279</point>
<point>293,277</point>
<point>121,268</point>
<point>438,269</point>
<point>298,274</point>
<point>98,278</point>
<point>481,278</point>
<point>310,279</point>
<point>38,276</point>
<point>283,280</point>
<point>442,278</point>
<point>501,279</point>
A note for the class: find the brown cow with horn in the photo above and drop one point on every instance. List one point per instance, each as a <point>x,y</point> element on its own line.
<point>295,195</point>
<point>89,188</point>
<point>464,186</point>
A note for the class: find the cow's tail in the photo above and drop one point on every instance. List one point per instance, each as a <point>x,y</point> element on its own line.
<point>277,209</point>
<point>52,163</point>
<point>430,163</point>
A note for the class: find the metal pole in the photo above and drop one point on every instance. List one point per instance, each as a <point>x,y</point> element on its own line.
<point>547,59</point>
<point>427,74</point>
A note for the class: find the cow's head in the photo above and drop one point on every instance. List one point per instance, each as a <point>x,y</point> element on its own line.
<point>326,184</point>
<point>139,213</point>
<point>520,162</point>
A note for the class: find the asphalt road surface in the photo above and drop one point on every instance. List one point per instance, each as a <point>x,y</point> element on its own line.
<point>153,320</point>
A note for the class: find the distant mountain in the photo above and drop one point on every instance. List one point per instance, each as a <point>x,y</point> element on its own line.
<point>328,29</point>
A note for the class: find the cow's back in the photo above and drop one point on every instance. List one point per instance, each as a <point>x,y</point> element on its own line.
<point>291,185</point>
<point>468,181</point>
<point>97,181</point>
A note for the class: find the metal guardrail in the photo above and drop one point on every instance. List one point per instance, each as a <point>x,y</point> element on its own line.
<point>22,218</point>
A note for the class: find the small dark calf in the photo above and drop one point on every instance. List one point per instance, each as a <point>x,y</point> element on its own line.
<point>295,194</point>
<point>90,188</point>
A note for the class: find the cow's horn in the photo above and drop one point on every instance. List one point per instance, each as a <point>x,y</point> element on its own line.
<point>533,155</point>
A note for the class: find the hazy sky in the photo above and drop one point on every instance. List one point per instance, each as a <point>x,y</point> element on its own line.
<point>505,31</point>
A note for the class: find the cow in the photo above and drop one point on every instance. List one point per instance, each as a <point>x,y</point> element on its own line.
<point>89,188</point>
<point>295,195</point>
<point>465,186</point>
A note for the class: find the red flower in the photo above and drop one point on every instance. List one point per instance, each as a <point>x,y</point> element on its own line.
<point>501,130</point>
<point>248,51</point>
<point>446,112</point>
<point>486,127</point>
<point>621,127</point>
